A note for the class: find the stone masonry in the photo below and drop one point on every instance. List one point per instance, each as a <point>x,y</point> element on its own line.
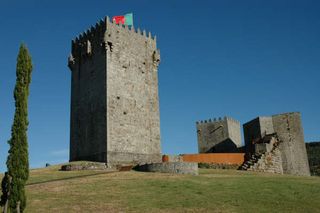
<point>267,156</point>
<point>218,135</point>
<point>114,95</point>
<point>288,129</point>
<point>313,150</point>
<point>256,129</point>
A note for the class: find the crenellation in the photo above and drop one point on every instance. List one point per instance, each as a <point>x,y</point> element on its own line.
<point>107,19</point>
<point>102,21</point>
<point>219,135</point>
<point>232,120</point>
<point>87,32</point>
<point>108,64</point>
<point>132,29</point>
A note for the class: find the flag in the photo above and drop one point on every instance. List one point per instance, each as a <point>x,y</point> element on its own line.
<point>127,19</point>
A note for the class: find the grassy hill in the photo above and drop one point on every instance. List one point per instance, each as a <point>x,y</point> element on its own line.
<point>50,190</point>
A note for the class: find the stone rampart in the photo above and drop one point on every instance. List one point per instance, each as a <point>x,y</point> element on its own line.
<point>170,167</point>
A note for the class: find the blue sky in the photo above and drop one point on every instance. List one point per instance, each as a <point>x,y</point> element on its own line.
<point>236,58</point>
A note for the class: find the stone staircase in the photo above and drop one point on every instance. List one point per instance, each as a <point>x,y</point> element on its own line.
<point>252,161</point>
<point>268,161</point>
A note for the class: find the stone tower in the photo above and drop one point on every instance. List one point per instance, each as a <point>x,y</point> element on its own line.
<point>288,128</point>
<point>218,135</point>
<point>114,95</point>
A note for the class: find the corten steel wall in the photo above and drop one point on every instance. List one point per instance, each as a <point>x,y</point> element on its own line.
<point>219,158</point>
<point>115,104</point>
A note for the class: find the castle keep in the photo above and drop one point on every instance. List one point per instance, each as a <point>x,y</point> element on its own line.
<point>114,95</point>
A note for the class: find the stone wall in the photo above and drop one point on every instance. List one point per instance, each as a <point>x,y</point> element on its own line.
<point>288,129</point>
<point>114,100</point>
<point>88,100</point>
<point>270,162</point>
<point>293,151</point>
<point>313,151</point>
<point>218,135</point>
<point>170,167</point>
<point>133,124</point>
<point>255,130</point>
<point>268,157</point>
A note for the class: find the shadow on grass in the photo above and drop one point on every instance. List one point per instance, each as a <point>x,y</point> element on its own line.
<point>69,178</point>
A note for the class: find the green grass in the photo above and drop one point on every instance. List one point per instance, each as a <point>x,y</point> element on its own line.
<point>50,190</point>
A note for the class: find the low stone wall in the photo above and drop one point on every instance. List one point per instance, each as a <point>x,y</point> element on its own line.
<point>170,167</point>
<point>75,166</point>
<point>218,166</point>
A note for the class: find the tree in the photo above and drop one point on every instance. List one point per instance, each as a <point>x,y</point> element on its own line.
<point>18,159</point>
<point>5,184</point>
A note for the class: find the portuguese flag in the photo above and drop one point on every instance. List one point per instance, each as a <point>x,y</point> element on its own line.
<point>127,19</point>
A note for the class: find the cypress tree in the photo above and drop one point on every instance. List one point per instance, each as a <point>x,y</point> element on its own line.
<point>5,184</point>
<point>18,162</point>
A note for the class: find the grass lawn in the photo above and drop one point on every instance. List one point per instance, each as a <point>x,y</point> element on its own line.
<point>50,190</point>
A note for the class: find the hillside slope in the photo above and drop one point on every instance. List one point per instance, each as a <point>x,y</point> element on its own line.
<point>50,190</point>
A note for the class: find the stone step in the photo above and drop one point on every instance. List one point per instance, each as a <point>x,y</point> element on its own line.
<point>245,166</point>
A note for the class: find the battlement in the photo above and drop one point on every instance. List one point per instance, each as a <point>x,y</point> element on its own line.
<point>218,135</point>
<point>104,23</point>
<point>114,95</point>
<point>101,37</point>
<point>218,119</point>
<point>90,32</point>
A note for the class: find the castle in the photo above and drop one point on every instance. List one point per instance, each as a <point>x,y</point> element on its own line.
<point>272,143</point>
<point>114,95</point>
<point>115,111</point>
<point>289,148</point>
